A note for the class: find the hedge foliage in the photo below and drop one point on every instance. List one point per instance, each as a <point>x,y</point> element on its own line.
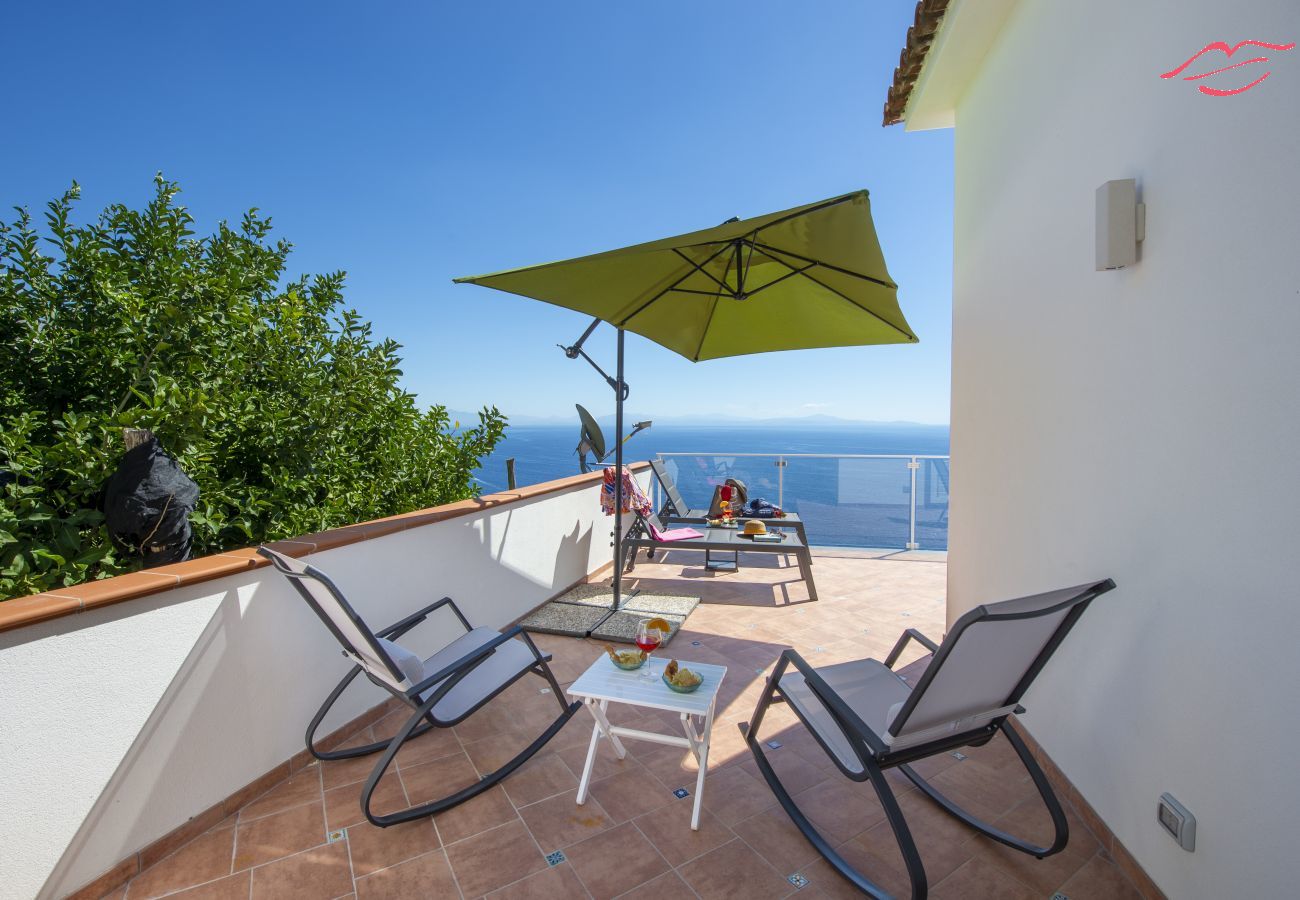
<point>273,396</point>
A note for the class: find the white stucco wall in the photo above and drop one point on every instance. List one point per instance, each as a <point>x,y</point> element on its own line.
<point>121,723</point>
<point>1141,424</point>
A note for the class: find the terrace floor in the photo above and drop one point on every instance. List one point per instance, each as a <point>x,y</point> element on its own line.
<point>306,837</point>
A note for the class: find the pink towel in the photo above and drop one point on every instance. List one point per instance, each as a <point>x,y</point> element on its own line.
<point>677,534</point>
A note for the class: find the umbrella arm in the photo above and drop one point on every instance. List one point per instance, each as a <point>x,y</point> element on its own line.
<point>576,351</point>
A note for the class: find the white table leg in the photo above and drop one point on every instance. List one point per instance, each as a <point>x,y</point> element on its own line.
<point>702,756</point>
<point>598,730</point>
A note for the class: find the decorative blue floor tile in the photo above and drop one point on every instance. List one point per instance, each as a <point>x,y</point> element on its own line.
<point>797,880</point>
<point>336,836</point>
<point>554,859</point>
<point>695,643</point>
<point>681,793</point>
<point>775,745</point>
<point>1059,896</point>
<point>957,754</point>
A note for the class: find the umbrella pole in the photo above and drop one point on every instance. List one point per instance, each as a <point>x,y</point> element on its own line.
<point>619,391</point>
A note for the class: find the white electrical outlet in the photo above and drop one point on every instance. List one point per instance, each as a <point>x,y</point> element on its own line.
<point>1178,821</point>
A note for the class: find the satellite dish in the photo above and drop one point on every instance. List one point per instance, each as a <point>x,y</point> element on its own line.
<point>591,440</point>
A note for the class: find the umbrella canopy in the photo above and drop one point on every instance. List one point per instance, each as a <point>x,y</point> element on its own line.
<point>812,276</point>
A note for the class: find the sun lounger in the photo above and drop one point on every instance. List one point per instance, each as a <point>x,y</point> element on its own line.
<point>676,510</point>
<point>712,540</point>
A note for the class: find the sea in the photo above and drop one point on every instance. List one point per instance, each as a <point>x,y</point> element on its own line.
<point>844,500</point>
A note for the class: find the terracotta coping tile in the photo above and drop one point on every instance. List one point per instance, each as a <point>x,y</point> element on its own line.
<point>206,568</point>
<point>36,608</point>
<point>22,611</point>
<point>114,590</point>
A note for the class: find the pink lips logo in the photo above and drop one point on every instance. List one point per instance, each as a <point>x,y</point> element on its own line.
<point>1227,52</point>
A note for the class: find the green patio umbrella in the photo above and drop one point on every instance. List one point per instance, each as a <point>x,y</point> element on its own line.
<point>812,276</point>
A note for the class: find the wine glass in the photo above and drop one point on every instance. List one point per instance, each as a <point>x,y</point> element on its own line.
<point>647,639</point>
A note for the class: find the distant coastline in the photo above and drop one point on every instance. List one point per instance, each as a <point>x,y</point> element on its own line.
<point>817,420</point>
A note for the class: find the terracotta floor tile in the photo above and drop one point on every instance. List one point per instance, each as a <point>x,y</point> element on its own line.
<point>549,884</point>
<point>824,881</point>
<point>494,859</point>
<point>313,875</point>
<point>978,879</point>
<point>669,829</point>
<point>338,772</point>
<point>673,766</point>
<point>296,790</point>
<point>428,875</point>
<point>607,761</point>
<point>615,861</point>
<point>279,834</point>
<point>734,872</point>
<point>375,848</point>
<point>488,810</point>
<point>1099,879</point>
<point>840,809</point>
<point>433,744</point>
<point>733,795</point>
<point>559,821</point>
<point>943,842</point>
<point>490,721</point>
<point>545,775</point>
<point>668,886</point>
<point>794,771</point>
<point>990,791</point>
<point>205,858</point>
<point>1031,821</point>
<point>343,804</point>
<point>429,781</point>
<point>774,837</point>
<point>232,887</point>
<point>629,794</point>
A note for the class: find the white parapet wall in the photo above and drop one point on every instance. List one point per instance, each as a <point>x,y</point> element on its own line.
<point>120,723</point>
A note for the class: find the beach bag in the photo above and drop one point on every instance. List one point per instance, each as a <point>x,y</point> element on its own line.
<point>739,494</point>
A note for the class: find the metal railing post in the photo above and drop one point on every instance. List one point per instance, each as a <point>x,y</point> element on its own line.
<point>780,481</point>
<point>912,465</point>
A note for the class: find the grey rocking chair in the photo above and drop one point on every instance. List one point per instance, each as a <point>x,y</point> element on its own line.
<point>441,691</point>
<point>868,719</point>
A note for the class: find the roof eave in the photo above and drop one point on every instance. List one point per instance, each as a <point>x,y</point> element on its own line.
<point>944,61</point>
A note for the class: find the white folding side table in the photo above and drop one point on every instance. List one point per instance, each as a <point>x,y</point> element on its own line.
<point>604,683</point>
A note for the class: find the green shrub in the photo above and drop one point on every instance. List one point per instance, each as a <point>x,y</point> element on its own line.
<point>275,398</point>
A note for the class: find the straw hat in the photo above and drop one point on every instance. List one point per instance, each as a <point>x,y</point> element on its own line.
<point>755,526</point>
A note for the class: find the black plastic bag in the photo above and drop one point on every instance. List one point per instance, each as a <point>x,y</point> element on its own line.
<point>147,505</point>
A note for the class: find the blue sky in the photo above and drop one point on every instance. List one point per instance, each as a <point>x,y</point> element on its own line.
<point>408,143</point>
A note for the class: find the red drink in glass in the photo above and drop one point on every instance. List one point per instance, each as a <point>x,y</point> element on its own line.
<point>648,642</point>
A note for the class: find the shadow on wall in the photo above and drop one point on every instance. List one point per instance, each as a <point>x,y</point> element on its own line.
<point>240,699</point>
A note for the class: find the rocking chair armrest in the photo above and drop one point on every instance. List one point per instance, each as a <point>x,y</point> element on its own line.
<point>910,634</point>
<point>848,720</point>
<point>401,626</point>
<point>466,663</point>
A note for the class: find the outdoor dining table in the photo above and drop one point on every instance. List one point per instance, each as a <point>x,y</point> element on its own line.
<point>604,683</point>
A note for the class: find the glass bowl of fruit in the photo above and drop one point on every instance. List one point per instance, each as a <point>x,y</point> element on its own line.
<point>681,680</point>
<point>626,659</point>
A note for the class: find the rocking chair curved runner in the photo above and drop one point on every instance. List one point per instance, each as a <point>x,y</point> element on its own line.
<point>442,691</point>
<point>868,719</point>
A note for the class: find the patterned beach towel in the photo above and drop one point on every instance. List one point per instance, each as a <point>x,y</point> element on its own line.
<point>634,499</point>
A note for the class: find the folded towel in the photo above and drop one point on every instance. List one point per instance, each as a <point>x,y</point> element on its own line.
<point>676,534</point>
